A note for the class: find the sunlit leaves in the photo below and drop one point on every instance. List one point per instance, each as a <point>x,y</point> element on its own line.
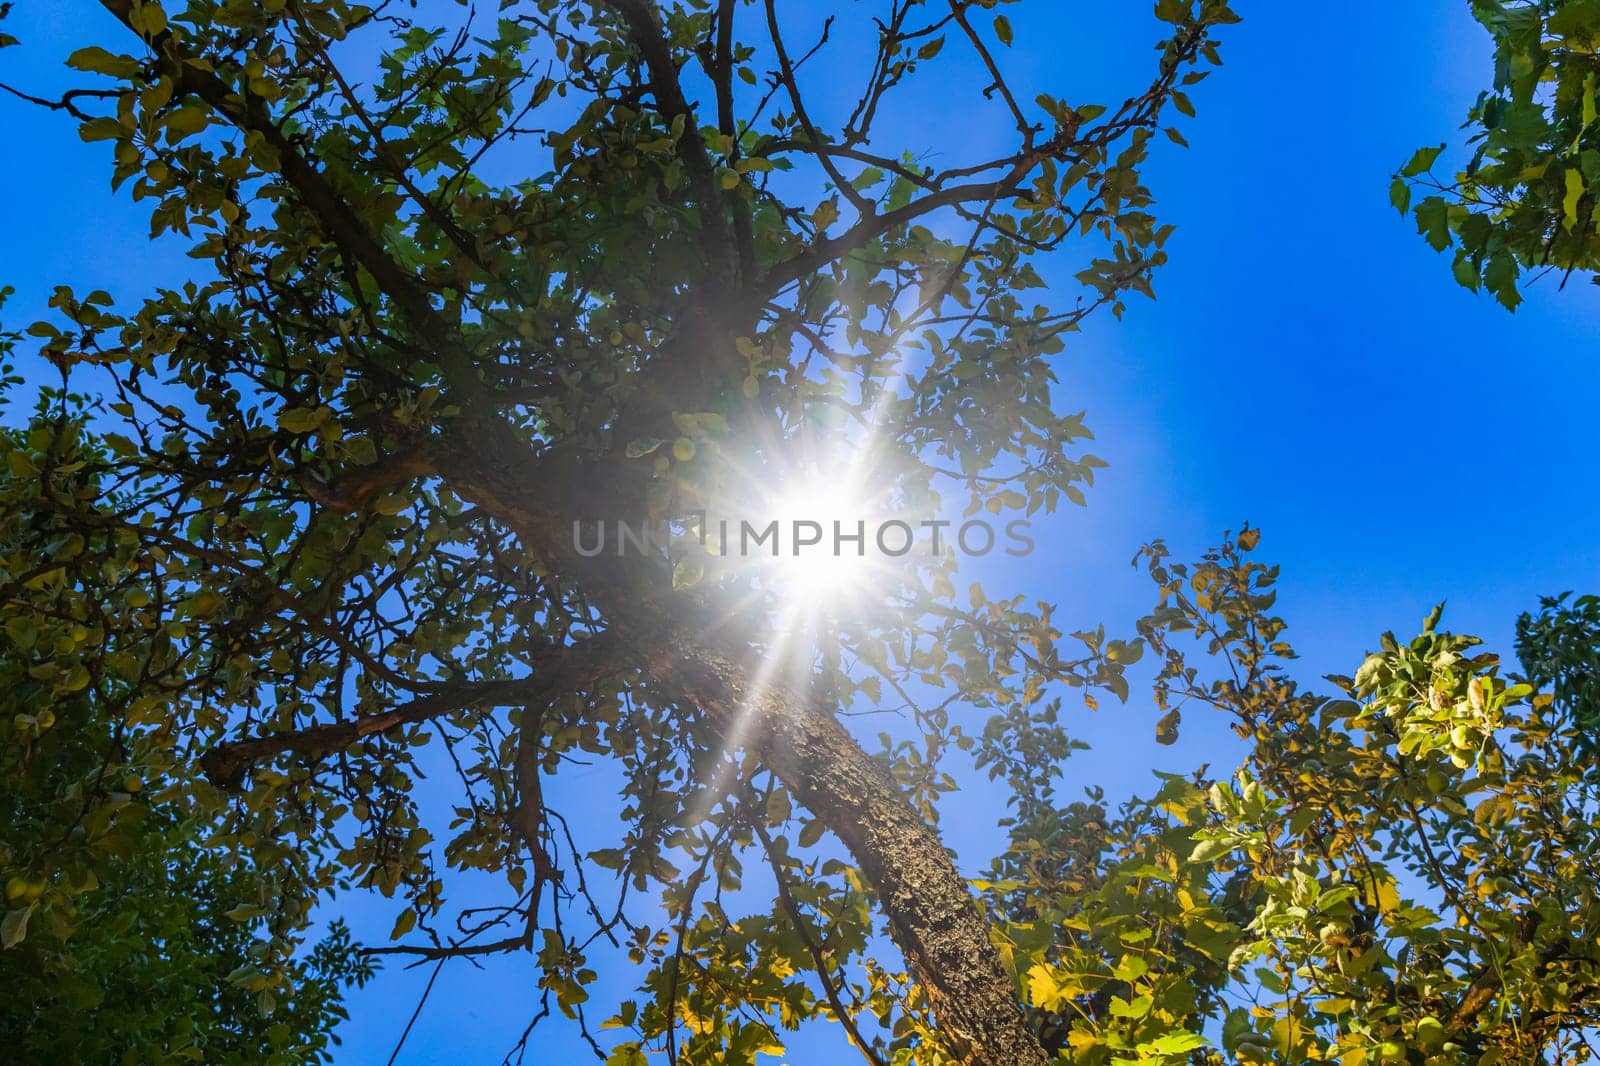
<point>1387,876</point>
<point>1522,204</point>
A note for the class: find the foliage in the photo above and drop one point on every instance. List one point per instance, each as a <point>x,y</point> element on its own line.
<point>586,261</point>
<point>1525,201</point>
<point>338,477</point>
<point>129,934</point>
<point>1401,871</point>
<point>1560,650</point>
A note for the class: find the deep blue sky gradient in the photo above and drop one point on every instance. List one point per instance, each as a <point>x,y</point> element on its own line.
<point>1310,366</point>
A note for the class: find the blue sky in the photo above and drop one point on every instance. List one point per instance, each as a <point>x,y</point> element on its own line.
<point>1310,366</point>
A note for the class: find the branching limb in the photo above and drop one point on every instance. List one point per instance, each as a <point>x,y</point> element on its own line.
<point>572,666</point>
<point>819,961</point>
<point>357,488</point>
<point>817,146</point>
<point>643,21</point>
<point>66,101</point>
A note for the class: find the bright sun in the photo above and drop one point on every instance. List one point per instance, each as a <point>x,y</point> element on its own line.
<point>826,550</point>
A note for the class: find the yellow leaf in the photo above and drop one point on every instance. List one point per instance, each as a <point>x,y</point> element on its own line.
<point>1042,988</point>
<point>1575,190</point>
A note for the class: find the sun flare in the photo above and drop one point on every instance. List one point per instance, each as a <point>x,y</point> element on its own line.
<point>826,556</point>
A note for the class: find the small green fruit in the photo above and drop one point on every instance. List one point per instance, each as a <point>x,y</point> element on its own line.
<point>22,890</point>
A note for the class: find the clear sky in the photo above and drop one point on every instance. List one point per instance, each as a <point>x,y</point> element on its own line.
<point>1310,366</point>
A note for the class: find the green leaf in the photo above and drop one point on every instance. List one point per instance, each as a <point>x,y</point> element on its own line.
<point>1207,850</point>
<point>1433,221</point>
<point>687,572</point>
<point>20,464</point>
<point>810,833</point>
<point>1421,161</point>
<point>1500,277</point>
<point>303,419</point>
<point>98,60</point>
<point>186,121</point>
<point>390,503</point>
<point>101,129</point>
<point>22,631</point>
<point>627,1055</point>
<point>866,179</point>
<point>1173,1044</point>
<point>642,446</point>
<point>1235,1028</point>
<point>1130,968</point>
<point>147,17</point>
<point>1173,11</point>
<point>1400,195</point>
<point>14,926</point>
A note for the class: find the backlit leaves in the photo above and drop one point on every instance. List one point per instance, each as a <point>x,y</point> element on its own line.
<point>1522,203</point>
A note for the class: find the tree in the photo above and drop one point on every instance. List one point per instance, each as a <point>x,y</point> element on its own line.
<point>1525,201</point>
<point>124,936</point>
<point>1401,870</point>
<point>353,450</point>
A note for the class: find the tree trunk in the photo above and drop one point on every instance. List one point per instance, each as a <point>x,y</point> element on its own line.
<point>932,916</point>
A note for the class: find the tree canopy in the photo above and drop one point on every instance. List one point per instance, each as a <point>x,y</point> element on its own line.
<point>471,289</point>
<point>127,934</point>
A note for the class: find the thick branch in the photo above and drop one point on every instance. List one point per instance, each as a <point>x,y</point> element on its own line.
<point>572,666</point>
<point>359,486</point>
<point>932,916</point>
